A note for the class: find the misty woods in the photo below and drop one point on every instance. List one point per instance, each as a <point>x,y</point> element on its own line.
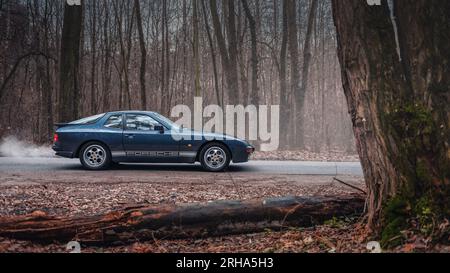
<point>61,62</point>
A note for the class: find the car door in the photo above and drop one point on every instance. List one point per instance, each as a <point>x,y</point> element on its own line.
<point>143,143</point>
<point>112,134</point>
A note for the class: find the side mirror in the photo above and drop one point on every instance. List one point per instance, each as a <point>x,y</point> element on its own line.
<point>159,128</point>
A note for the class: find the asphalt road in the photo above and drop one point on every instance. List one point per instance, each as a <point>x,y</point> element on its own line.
<point>65,166</point>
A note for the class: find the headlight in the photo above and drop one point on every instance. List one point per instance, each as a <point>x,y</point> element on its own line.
<point>250,149</point>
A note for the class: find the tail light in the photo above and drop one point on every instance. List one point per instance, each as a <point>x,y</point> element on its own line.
<point>55,138</point>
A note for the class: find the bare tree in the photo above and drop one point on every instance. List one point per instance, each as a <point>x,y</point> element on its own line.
<point>143,68</point>
<point>300,95</point>
<point>195,24</point>
<point>69,92</point>
<point>285,114</point>
<point>254,97</point>
<point>293,51</point>
<point>165,60</point>
<point>229,59</point>
<point>213,55</point>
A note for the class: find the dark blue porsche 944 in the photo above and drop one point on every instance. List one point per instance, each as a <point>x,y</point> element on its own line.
<point>145,137</point>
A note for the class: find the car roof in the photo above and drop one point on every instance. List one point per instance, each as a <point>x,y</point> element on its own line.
<point>132,112</point>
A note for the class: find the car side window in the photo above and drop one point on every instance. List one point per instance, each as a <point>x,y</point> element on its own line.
<point>114,122</point>
<point>141,123</point>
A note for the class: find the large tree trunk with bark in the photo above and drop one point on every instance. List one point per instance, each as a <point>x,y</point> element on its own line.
<point>171,221</point>
<point>397,87</point>
<point>69,92</point>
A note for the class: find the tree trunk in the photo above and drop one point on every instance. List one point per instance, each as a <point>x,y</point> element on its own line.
<point>285,112</point>
<point>195,47</point>
<point>143,67</point>
<point>93,104</point>
<point>186,221</point>
<point>165,60</point>
<point>230,27</point>
<point>254,97</point>
<point>399,103</point>
<point>294,67</point>
<point>106,64</point>
<point>229,61</point>
<point>69,63</point>
<point>213,55</point>
<point>300,95</point>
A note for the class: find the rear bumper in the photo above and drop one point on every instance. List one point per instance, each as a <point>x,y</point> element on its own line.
<point>60,152</point>
<point>65,154</point>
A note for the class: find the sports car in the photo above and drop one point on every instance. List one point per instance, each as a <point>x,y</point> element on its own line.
<point>145,137</point>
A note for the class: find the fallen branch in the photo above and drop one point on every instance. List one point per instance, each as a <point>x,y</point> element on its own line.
<point>183,221</point>
<point>351,186</point>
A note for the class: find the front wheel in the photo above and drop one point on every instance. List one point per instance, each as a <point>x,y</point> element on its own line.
<point>215,157</point>
<point>95,156</point>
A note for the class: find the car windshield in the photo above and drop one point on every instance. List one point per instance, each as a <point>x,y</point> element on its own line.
<point>172,124</point>
<point>88,120</point>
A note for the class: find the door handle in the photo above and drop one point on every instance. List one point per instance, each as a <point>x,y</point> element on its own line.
<point>129,136</point>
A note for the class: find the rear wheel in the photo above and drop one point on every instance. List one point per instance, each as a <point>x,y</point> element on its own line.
<point>95,156</point>
<point>215,157</point>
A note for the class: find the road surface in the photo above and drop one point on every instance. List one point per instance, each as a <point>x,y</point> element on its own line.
<point>58,166</point>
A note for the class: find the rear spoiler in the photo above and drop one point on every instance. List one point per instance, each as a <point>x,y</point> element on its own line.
<point>60,125</point>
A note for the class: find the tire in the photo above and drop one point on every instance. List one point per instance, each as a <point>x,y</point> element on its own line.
<point>95,156</point>
<point>215,157</point>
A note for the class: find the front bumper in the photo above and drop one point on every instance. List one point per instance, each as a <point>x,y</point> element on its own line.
<point>250,150</point>
<point>242,156</point>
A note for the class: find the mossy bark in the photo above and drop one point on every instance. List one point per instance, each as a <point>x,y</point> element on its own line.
<point>397,87</point>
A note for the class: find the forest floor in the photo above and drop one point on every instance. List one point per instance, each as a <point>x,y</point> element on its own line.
<point>83,198</point>
<point>91,195</point>
<point>66,190</point>
<point>333,237</point>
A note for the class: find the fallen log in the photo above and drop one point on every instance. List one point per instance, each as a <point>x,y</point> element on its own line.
<point>181,221</point>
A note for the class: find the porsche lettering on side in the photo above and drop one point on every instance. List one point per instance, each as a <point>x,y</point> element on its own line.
<point>145,137</point>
